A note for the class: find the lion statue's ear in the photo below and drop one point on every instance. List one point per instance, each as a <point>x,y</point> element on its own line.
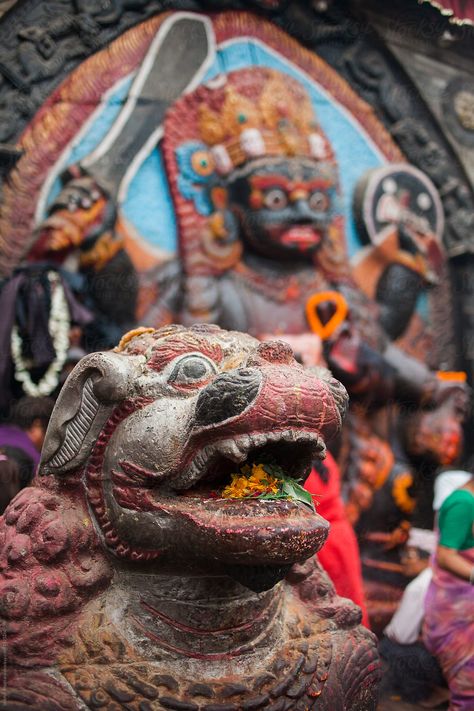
<point>97,384</point>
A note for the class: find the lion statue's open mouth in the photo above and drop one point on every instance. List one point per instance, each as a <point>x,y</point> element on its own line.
<point>161,424</point>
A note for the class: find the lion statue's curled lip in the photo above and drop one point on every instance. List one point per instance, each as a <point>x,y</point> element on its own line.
<point>125,584</point>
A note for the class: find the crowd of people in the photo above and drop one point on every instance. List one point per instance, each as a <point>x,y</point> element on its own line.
<point>428,646</point>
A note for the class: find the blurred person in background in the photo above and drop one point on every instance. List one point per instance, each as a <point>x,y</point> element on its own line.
<point>340,556</point>
<point>412,671</point>
<point>448,629</point>
<point>10,478</point>
<point>26,428</point>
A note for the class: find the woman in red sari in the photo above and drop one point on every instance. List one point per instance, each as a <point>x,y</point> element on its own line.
<point>339,556</point>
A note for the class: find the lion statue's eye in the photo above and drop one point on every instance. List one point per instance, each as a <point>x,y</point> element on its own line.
<point>192,370</point>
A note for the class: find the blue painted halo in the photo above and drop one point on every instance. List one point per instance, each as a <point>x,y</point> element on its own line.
<point>148,205</point>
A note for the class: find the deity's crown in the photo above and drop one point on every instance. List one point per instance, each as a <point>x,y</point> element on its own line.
<point>260,112</point>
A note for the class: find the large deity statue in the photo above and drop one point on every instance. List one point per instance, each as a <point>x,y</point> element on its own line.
<point>251,162</point>
<point>254,185</point>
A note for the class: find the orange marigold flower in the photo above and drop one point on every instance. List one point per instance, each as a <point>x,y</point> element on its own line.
<point>251,482</point>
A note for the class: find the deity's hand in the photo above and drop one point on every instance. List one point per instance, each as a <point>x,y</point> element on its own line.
<point>342,352</point>
<point>78,217</point>
<point>451,389</point>
<point>369,464</point>
<point>436,433</point>
<point>412,562</point>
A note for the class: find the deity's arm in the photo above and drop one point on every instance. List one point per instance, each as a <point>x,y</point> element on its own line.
<point>412,381</point>
<point>377,377</point>
<point>397,294</point>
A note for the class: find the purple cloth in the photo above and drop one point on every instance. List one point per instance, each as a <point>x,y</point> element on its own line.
<point>449,631</point>
<point>12,436</point>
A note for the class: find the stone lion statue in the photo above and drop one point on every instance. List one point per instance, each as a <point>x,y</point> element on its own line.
<point>129,582</point>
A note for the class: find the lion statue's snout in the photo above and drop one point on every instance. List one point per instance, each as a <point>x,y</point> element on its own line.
<point>227,396</point>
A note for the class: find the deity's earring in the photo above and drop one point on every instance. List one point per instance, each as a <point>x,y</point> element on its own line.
<point>221,242</point>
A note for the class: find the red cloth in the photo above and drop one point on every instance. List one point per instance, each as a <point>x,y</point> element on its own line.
<point>340,555</point>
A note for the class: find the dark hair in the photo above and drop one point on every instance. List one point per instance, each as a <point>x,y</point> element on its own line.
<point>24,461</point>
<point>10,479</point>
<point>28,409</point>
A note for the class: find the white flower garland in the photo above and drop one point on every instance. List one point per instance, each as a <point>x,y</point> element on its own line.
<point>59,325</point>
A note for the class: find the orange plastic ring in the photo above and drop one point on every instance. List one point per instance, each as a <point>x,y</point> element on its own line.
<point>325,331</point>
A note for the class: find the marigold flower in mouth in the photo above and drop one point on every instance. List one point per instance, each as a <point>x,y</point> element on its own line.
<point>265,481</point>
<point>252,481</point>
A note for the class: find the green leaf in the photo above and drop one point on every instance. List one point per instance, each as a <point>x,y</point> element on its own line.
<point>289,487</point>
<point>270,496</point>
<point>295,491</point>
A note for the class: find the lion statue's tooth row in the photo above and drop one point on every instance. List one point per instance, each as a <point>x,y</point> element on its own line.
<point>129,582</point>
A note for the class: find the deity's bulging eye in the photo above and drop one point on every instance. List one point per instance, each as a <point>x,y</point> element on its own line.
<point>192,370</point>
<point>202,163</point>
<point>275,199</point>
<point>318,201</point>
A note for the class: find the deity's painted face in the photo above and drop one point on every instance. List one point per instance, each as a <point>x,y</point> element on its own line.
<point>284,205</point>
<point>437,435</point>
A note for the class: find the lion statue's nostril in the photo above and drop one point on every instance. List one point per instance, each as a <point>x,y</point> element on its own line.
<point>227,396</point>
